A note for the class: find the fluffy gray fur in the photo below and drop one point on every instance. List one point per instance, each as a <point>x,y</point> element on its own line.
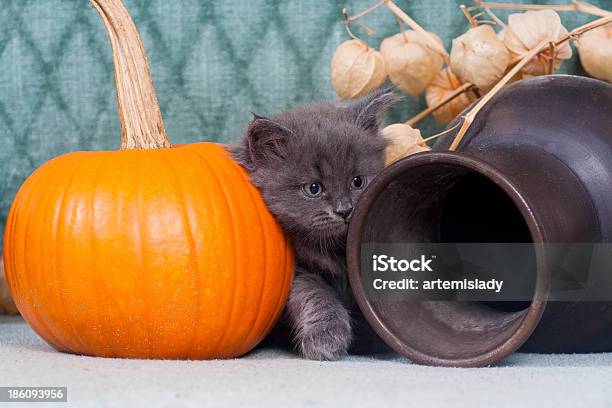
<point>329,144</point>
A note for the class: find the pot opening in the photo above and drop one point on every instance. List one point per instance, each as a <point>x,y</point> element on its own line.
<point>476,210</point>
<point>448,203</point>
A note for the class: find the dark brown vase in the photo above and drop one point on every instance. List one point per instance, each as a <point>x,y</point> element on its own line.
<point>535,166</point>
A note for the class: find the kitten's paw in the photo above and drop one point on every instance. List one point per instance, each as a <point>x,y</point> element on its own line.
<point>329,341</point>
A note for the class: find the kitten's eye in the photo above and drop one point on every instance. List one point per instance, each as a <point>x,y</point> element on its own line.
<point>358,182</point>
<point>313,189</point>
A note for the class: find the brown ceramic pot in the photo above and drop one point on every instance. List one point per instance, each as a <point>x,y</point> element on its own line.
<point>535,166</point>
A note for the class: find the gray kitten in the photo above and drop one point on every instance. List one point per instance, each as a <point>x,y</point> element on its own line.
<point>311,164</point>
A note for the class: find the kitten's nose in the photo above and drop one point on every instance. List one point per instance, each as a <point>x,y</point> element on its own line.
<point>344,209</point>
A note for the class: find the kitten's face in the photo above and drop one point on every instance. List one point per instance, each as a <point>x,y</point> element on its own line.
<point>313,163</point>
<point>316,186</point>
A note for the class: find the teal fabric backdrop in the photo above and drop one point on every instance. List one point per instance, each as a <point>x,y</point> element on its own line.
<point>213,63</point>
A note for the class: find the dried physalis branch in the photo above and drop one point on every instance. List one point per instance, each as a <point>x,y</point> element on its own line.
<point>595,51</point>
<point>479,57</point>
<point>443,85</point>
<point>468,118</point>
<point>410,63</point>
<point>526,31</point>
<point>433,42</point>
<point>411,58</point>
<point>577,5</point>
<point>356,69</point>
<point>447,98</point>
<point>403,140</point>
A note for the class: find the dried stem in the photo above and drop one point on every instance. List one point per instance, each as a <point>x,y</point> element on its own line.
<point>449,97</point>
<point>401,28</point>
<point>469,117</point>
<point>468,16</point>
<point>495,18</point>
<point>437,135</point>
<point>142,126</point>
<point>551,61</point>
<point>576,5</point>
<point>366,11</point>
<point>346,21</point>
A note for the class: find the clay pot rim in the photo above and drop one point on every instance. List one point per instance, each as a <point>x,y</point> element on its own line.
<point>534,312</point>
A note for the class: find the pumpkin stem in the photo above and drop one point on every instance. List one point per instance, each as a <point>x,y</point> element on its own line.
<point>142,126</point>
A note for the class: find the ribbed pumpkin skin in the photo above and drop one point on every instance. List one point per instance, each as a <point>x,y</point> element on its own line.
<point>167,253</point>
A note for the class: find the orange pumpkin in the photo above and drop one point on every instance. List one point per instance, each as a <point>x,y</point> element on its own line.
<point>148,251</point>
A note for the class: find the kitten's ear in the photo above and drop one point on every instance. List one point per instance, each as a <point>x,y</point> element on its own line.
<point>367,110</point>
<point>266,139</point>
